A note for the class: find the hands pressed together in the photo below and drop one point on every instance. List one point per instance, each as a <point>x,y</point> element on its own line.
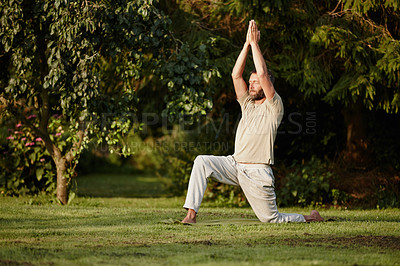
<point>253,34</point>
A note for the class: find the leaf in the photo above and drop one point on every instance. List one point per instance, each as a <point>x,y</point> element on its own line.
<point>39,173</point>
<point>32,157</point>
<point>71,197</point>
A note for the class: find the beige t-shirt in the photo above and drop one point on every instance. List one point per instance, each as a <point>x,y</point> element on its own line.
<point>256,132</point>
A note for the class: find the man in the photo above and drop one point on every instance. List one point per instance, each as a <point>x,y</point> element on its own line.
<point>249,167</point>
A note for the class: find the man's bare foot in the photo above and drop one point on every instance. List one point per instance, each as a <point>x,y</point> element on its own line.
<point>314,217</point>
<point>190,217</point>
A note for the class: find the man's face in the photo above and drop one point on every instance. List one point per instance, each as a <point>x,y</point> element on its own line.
<point>255,90</point>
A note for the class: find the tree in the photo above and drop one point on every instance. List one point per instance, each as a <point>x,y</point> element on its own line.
<point>83,61</point>
<point>357,46</point>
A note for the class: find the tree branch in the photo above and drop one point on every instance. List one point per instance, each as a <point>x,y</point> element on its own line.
<point>75,147</point>
<point>45,111</point>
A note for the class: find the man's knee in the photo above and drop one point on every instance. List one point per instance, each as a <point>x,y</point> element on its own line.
<point>201,159</point>
<point>274,218</point>
<point>267,216</point>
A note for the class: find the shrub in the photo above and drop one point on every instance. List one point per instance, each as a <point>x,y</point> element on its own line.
<point>26,166</point>
<point>177,161</point>
<point>309,184</point>
<point>388,193</point>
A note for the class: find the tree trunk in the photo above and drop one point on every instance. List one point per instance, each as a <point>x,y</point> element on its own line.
<point>62,163</point>
<point>62,184</point>
<point>356,139</point>
<point>61,168</point>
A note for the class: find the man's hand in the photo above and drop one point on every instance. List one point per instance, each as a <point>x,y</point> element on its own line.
<point>253,34</point>
<point>247,43</point>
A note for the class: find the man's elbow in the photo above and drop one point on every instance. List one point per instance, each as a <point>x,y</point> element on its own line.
<point>236,76</point>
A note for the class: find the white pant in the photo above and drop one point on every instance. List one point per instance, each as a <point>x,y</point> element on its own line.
<point>256,180</point>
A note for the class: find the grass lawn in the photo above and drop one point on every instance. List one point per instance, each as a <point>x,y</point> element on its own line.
<point>106,230</point>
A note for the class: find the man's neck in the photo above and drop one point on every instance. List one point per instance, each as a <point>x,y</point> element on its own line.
<point>260,101</point>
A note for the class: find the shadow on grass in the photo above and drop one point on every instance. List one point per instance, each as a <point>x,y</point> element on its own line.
<point>120,185</point>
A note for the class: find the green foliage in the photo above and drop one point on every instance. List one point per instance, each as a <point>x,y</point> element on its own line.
<point>309,184</point>
<point>55,50</point>
<point>388,194</point>
<point>225,195</point>
<point>364,7</point>
<point>27,167</point>
<point>85,60</point>
<point>365,52</point>
<point>177,162</point>
<point>184,73</point>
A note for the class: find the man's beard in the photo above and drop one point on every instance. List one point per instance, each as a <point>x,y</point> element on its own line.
<point>258,96</point>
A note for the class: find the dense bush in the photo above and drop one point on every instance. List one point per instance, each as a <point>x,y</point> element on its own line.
<point>27,167</point>
<point>309,183</point>
<point>388,194</point>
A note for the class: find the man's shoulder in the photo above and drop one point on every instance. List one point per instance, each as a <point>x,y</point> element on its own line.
<point>275,104</point>
<point>244,99</point>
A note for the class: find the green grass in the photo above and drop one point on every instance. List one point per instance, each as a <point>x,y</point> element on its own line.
<point>131,231</point>
<point>111,185</point>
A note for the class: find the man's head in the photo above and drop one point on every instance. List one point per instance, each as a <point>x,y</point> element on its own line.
<point>255,90</point>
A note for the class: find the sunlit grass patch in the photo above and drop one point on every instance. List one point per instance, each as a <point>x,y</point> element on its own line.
<point>131,231</point>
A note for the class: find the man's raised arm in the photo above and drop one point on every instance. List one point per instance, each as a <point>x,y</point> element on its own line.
<point>259,62</point>
<point>237,72</point>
